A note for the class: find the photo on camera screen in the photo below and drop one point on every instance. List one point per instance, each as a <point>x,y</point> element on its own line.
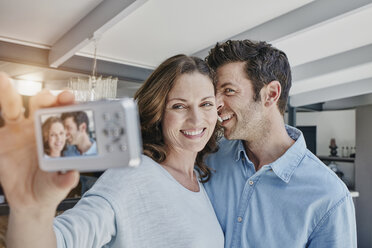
<point>69,134</point>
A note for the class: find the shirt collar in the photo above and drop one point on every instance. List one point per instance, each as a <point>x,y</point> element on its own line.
<point>92,149</point>
<point>240,149</point>
<point>284,166</point>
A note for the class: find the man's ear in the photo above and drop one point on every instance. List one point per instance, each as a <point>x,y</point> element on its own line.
<point>272,93</point>
<point>83,127</point>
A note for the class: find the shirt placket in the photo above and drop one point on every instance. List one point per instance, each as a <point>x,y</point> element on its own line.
<point>245,197</point>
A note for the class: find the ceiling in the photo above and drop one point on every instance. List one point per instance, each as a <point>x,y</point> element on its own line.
<point>328,42</point>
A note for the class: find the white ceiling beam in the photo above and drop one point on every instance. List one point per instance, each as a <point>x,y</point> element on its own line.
<point>27,55</point>
<point>338,62</point>
<point>306,17</point>
<point>356,88</point>
<point>348,103</point>
<point>93,25</point>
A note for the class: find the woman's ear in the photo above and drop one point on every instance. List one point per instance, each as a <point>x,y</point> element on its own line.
<point>272,93</point>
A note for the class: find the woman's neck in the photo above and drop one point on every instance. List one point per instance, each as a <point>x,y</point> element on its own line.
<point>180,165</point>
<point>55,154</point>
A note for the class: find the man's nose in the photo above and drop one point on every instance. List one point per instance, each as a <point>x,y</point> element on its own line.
<point>219,102</point>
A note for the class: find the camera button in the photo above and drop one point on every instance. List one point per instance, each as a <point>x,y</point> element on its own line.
<point>123,147</point>
<point>118,115</point>
<point>109,148</point>
<point>106,132</point>
<point>106,116</point>
<point>116,132</point>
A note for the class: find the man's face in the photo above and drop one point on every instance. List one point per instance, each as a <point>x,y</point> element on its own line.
<point>242,117</point>
<point>72,132</point>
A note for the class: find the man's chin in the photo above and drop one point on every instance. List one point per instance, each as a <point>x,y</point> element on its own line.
<point>227,134</point>
<point>230,135</point>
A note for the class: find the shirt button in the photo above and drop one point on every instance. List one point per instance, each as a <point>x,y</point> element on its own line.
<point>240,219</point>
<point>251,182</point>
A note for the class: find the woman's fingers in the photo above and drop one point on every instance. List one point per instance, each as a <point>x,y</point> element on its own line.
<point>66,98</point>
<point>43,99</point>
<point>66,180</point>
<point>10,100</point>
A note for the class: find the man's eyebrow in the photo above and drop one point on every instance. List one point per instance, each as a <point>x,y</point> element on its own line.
<point>225,84</point>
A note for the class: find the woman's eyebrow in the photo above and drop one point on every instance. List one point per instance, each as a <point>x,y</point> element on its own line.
<point>178,99</point>
<point>184,100</point>
<point>208,97</point>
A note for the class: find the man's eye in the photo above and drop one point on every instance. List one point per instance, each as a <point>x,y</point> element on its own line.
<point>228,90</point>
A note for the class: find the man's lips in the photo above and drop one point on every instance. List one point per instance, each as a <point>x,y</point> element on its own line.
<point>225,118</point>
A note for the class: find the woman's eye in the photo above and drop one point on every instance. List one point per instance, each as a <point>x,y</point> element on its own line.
<point>178,106</point>
<point>207,104</point>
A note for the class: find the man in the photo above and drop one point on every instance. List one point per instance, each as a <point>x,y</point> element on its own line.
<point>268,190</point>
<point>77,134</point>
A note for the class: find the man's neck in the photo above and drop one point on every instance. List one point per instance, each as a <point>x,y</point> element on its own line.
<point>84,145</point>
<point>271,147</point>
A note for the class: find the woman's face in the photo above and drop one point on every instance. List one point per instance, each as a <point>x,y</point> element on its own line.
<point>190,113</point>
<point>56,139</point>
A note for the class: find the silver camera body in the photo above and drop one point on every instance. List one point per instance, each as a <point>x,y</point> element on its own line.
<point>113,132</point>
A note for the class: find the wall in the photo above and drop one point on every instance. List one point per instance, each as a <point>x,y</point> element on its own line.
<point>330,124</point>
<point>363,169</point>
<point>338,124</point>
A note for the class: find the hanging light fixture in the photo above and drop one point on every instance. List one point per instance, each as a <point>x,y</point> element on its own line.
<point>95,87</point>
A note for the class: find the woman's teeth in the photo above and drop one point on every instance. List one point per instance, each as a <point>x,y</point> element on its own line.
<point>191,133</point>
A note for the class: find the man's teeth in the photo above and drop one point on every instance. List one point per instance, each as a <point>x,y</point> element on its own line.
<point>193,132</point>
<point>227,117</point>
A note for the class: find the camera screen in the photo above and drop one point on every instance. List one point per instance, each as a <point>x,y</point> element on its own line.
<point>69,134</point>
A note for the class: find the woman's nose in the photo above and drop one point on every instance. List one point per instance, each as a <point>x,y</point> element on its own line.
<point>195,115</point>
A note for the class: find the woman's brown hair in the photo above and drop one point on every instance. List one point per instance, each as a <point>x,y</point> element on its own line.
<point>151,99</point>
<point>45,131</point>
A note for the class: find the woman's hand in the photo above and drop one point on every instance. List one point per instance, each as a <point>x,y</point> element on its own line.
<point>27,188</point>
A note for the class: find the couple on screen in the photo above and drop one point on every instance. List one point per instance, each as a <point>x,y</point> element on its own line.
<point>68,135</point>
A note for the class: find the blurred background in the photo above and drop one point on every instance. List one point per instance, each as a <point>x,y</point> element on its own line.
<point>48,43</point>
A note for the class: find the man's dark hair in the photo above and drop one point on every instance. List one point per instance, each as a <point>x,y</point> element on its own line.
<point>79,117</point>
<point>263,64</point>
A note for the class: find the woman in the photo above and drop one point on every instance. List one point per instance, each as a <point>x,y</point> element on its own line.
<point>54,137</point>
<point>159,204</point>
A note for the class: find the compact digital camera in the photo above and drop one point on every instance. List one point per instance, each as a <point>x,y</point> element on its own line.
<point>89,136</point>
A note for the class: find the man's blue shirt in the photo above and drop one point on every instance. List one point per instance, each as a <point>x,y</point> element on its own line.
<point>295,201</point>
<point>72,150</point>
